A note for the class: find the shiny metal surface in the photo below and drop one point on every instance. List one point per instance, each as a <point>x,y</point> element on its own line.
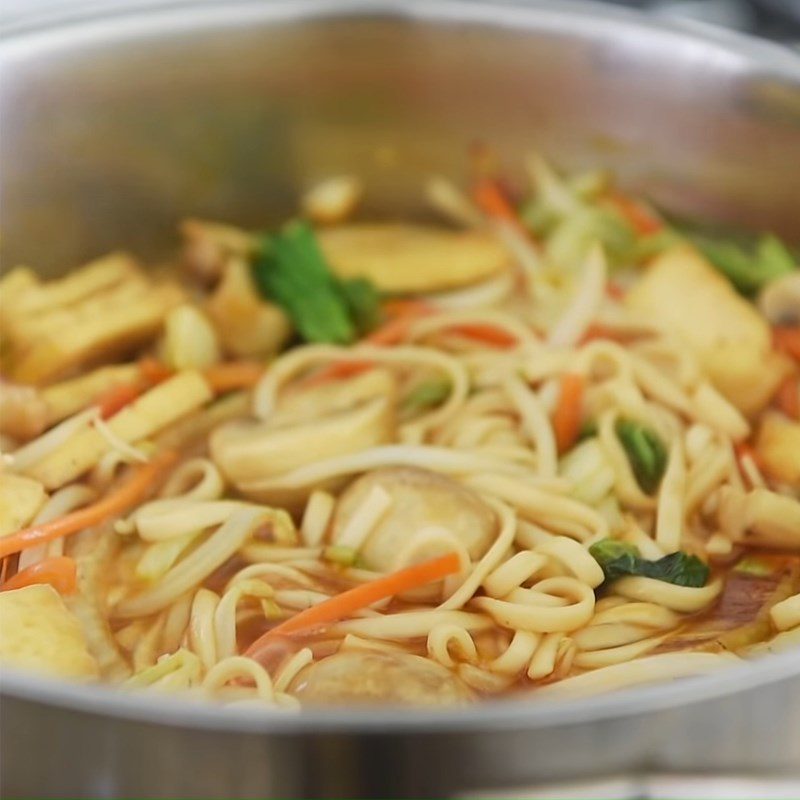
<point>114,128</point>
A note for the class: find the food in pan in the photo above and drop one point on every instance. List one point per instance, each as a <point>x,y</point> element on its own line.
<point>548,443</point>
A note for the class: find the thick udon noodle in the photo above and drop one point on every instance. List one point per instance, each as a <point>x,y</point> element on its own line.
<point>247,529</point>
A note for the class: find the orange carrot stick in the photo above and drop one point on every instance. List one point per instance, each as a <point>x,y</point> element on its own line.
<point>786,338</point>
<point>59,571</point>
<point>232,375</point>
<point>347,603</point>
<point>491,199</point>
<point>113,504</point>
<point>117,397</point>
<point>567,416</point>
<point>487,334</point>
<point>338,370</point>
<point>787,398</point>
<point>154,371</point>
<point>636,213</point>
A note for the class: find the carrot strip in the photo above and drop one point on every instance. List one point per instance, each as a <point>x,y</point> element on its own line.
<point>786,338</point>
<point>491,199</point>
<point>488,334</point>
<point>403,306</point>
<point>154,371</point>
<point>787,398</point>
<point>114,503</point>
<point>59,571</point>
<point>347,603</point>
<point>338,370</point>
<point>117,397</point>
<point>597,331</point>
<point>636,213</point>
<point>233,375</point>
<point>567,416</point>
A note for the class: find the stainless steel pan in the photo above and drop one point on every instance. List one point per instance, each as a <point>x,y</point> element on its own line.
<point>115,126</point>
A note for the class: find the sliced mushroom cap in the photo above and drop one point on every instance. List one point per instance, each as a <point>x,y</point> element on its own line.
<point>325,423</point>
<point>364,677</point>
<point>412,258</point>
<point>779,300</point>
<point>428,511</point>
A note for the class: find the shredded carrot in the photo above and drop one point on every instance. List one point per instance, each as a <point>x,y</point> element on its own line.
<point>117,397</point>
<point>233,375</point>
<point>403,306</point>
<point>491,199</point>
<point>615,291</point>
<point>487,334</point>
<point>786,338</point>
<point>567,416</point>
<point>59,571</point>
<point>597,331</point>
<point>116,502</point>
<point>787,398</point>
<point>636,213</point>
<point>154,371</point>
<point>338,370</point>
<point>353,600</point>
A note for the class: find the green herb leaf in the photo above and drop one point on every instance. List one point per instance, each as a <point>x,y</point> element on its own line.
<point>363,303</point>
<point>619,558</point>
<point>646,453</point>
<point>291,270</point>
<point>616,558</point>
<point>755,566</point>
<point>748,269</point>
<point>588,430</point>
<point>426,395</point>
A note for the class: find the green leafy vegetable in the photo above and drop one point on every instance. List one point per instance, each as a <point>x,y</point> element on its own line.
<point>426,395</point>
<point>755,566</point>
<point>748,269</point>
<point>620,558</point>
<point>291,270</point>
<point>646,453</point>
<point>588,430</point>
<point>363,303</point>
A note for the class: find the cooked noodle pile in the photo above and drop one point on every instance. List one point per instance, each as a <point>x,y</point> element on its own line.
<point>550,446</point>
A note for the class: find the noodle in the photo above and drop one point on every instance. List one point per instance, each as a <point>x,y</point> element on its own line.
<point>553,451</point>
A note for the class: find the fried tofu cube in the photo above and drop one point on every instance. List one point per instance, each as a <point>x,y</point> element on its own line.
<point>38,633</point>
<point>150,413</point>
<point>20,501</point>
<point>97,312</point>
<point>683,294</point>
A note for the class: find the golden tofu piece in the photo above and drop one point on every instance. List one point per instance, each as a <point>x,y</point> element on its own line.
<point>683,294</point>
<point>778,447</point>
<point>68,397</point>
<point>38,633</point>
<point>99,311</point>
<point>399,257</point>
<point>150,413</point>
<point>20,501</point>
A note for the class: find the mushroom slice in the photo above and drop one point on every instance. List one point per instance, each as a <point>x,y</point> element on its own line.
<point>779,300</point>
<point>760,518</point>
<point>428,513</point>
<point>366,677</point>
<point>412,258</point>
